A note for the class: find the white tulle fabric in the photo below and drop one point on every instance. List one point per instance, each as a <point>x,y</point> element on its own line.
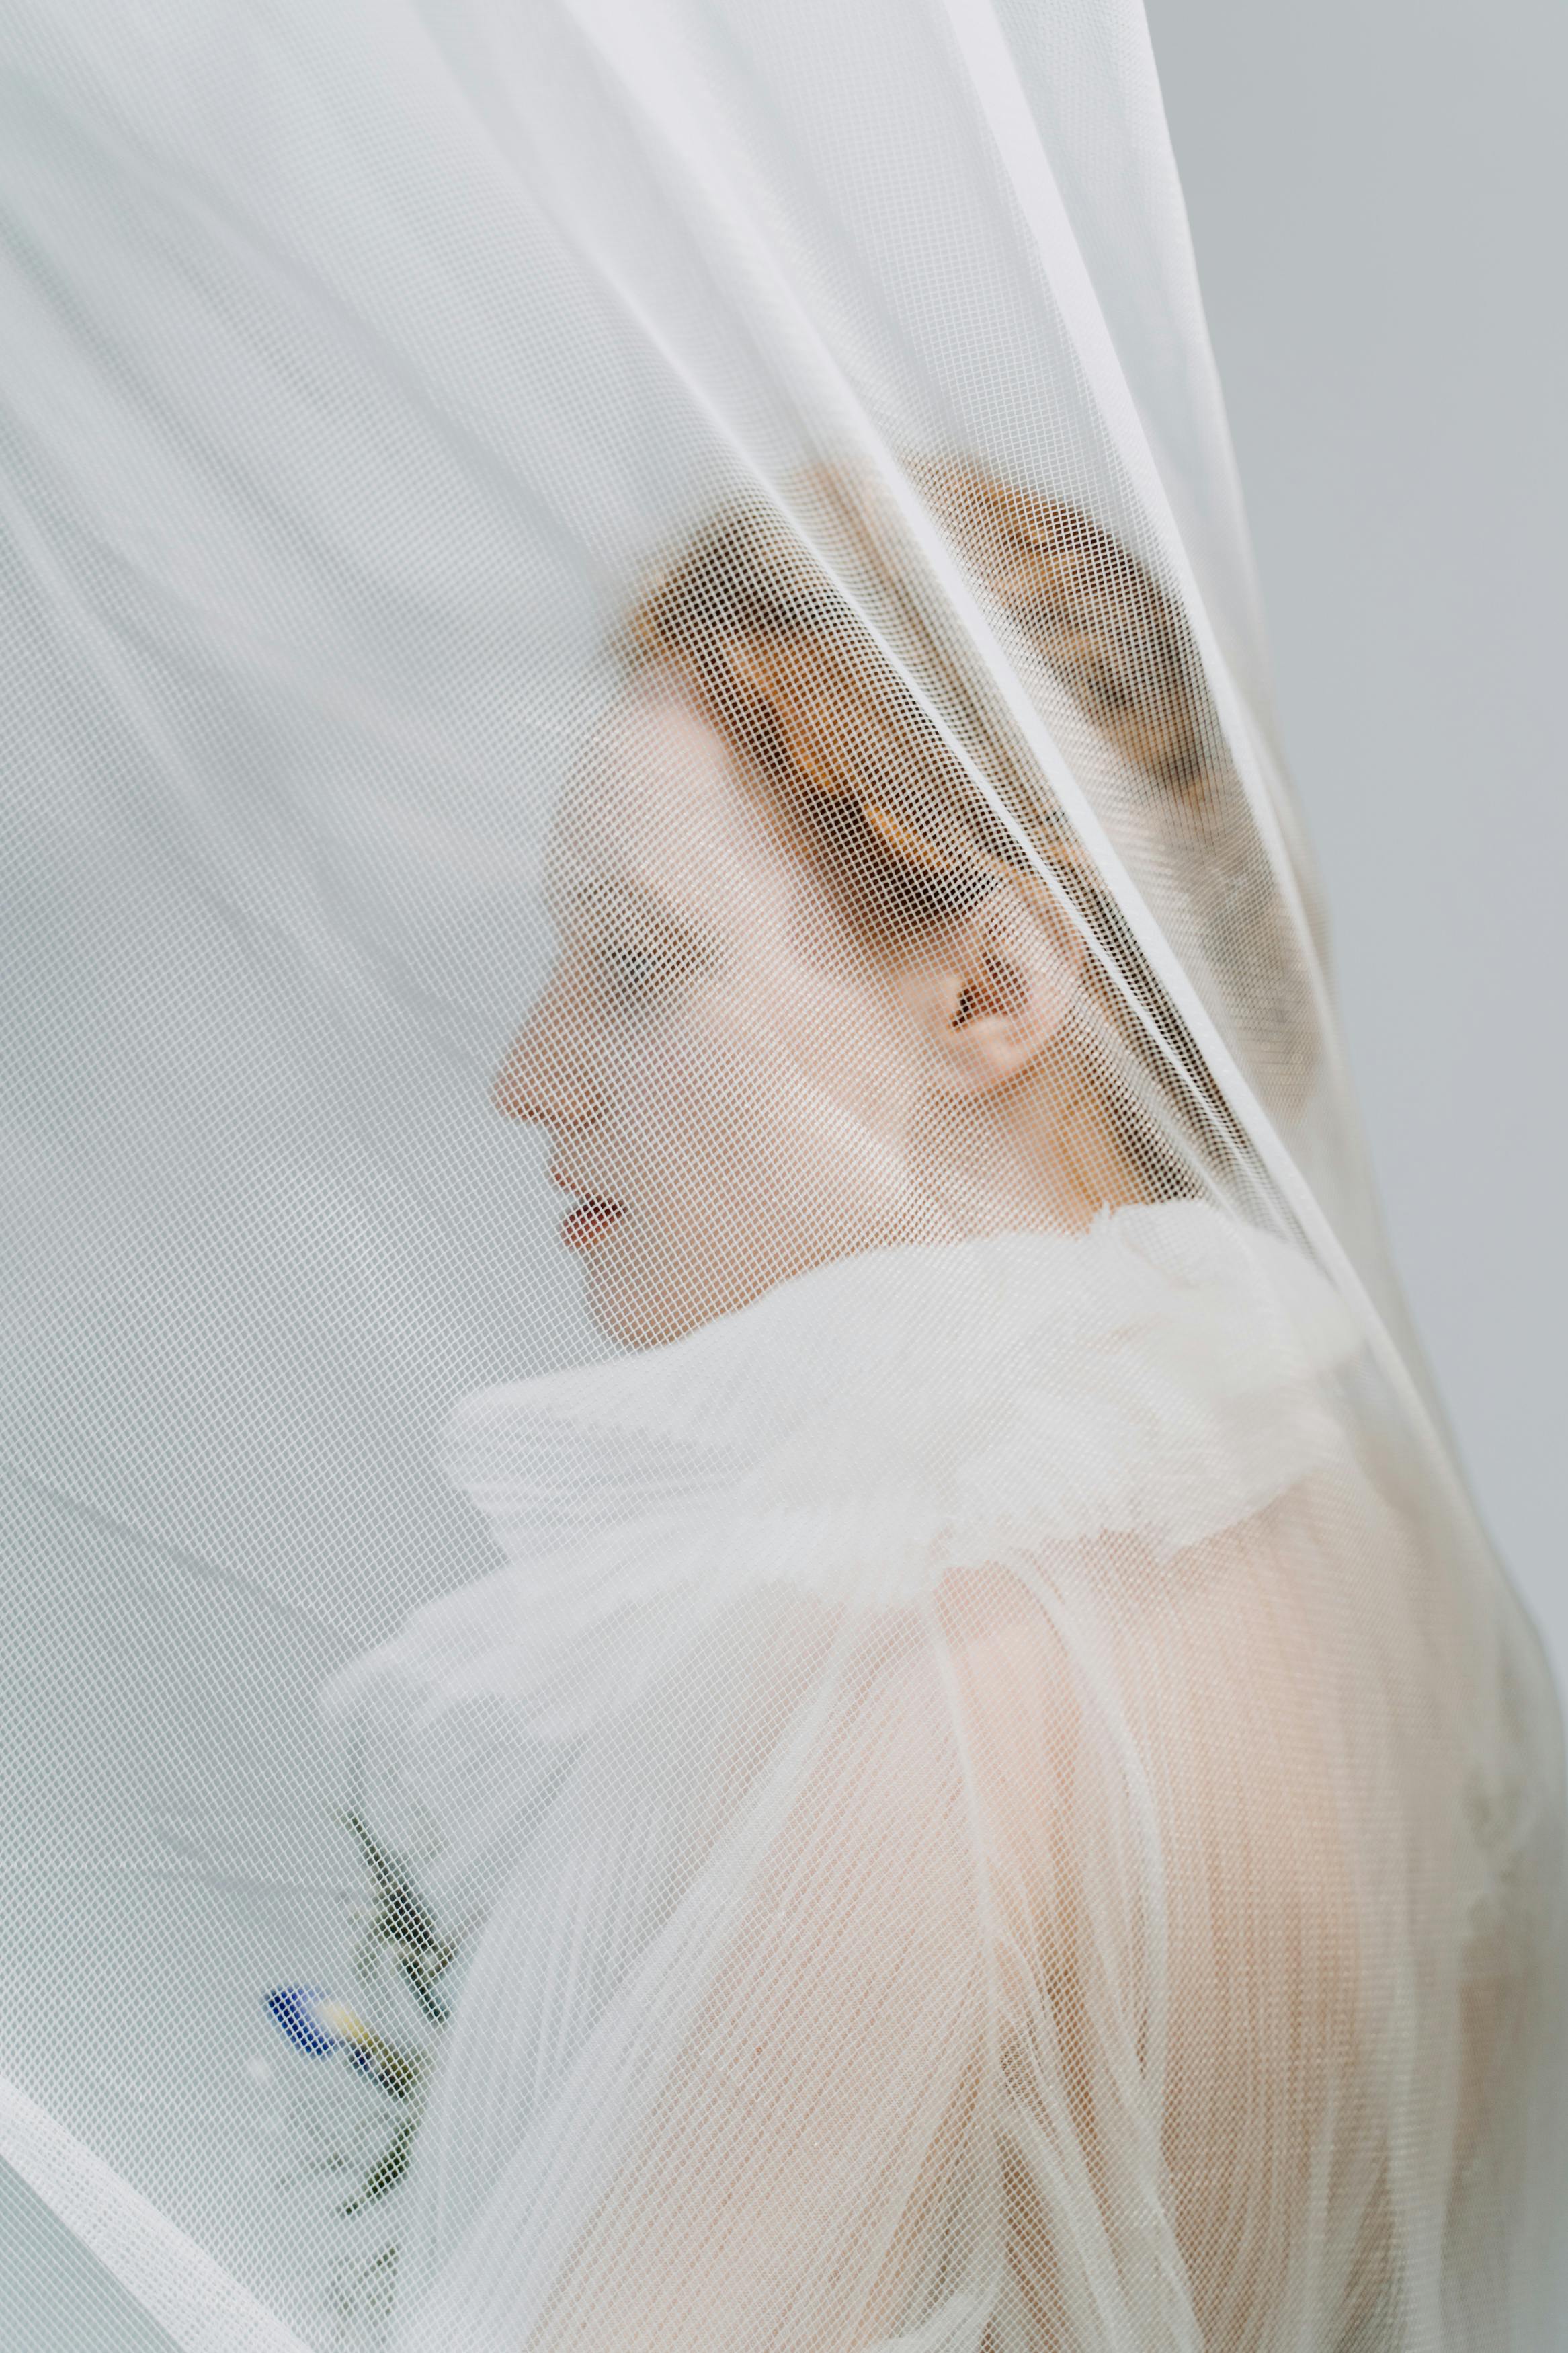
<point>950,1884</point>
<point>999,1799</point>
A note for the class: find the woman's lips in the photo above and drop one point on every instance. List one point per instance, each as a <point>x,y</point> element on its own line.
<point>588,1223</point>
<point>591,1220</point>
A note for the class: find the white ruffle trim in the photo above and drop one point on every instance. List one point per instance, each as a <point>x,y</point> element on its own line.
<point>854,1434</point>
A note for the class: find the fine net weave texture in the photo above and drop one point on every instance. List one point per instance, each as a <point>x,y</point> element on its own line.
<point>897,1732</point>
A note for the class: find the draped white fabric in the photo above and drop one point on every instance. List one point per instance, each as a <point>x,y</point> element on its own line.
<point>971,1781</point>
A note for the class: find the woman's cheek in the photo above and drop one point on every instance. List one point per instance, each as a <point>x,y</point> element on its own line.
<point>687,1102</point>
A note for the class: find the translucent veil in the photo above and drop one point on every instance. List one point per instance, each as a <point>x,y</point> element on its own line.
<point>971,1780</point>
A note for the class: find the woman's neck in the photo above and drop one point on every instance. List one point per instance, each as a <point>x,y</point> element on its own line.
<point>1043,1154</point>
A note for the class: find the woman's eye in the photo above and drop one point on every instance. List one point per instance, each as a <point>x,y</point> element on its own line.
<point>634,972</point>
<point>641,973</point>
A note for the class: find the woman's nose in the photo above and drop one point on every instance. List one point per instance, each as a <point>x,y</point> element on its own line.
<point>539,1081</point>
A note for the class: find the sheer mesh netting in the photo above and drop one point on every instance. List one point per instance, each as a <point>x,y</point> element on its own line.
<point>896,1731</point>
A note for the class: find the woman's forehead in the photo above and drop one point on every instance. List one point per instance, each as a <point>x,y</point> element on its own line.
<point>655,813</point>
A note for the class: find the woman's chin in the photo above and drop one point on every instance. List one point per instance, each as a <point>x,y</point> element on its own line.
<point>637,1313</point>
<point>643,1306</point>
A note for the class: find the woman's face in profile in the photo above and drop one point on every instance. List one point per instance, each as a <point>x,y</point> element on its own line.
<point>727,1080</point>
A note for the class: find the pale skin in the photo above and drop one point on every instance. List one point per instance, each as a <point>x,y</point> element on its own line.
<point>738,1086</point>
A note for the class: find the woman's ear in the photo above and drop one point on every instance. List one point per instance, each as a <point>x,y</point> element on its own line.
<point>998,987</point>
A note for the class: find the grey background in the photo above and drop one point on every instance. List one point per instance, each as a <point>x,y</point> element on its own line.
<point>1378,192</point>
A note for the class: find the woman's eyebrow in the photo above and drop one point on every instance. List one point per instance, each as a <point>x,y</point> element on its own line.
<point>620,894</point>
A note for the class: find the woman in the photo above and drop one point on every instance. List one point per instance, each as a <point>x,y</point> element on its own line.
<point>1003,1814</point>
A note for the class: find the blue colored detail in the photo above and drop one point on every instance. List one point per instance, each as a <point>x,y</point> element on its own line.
<point>297,2012</point>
